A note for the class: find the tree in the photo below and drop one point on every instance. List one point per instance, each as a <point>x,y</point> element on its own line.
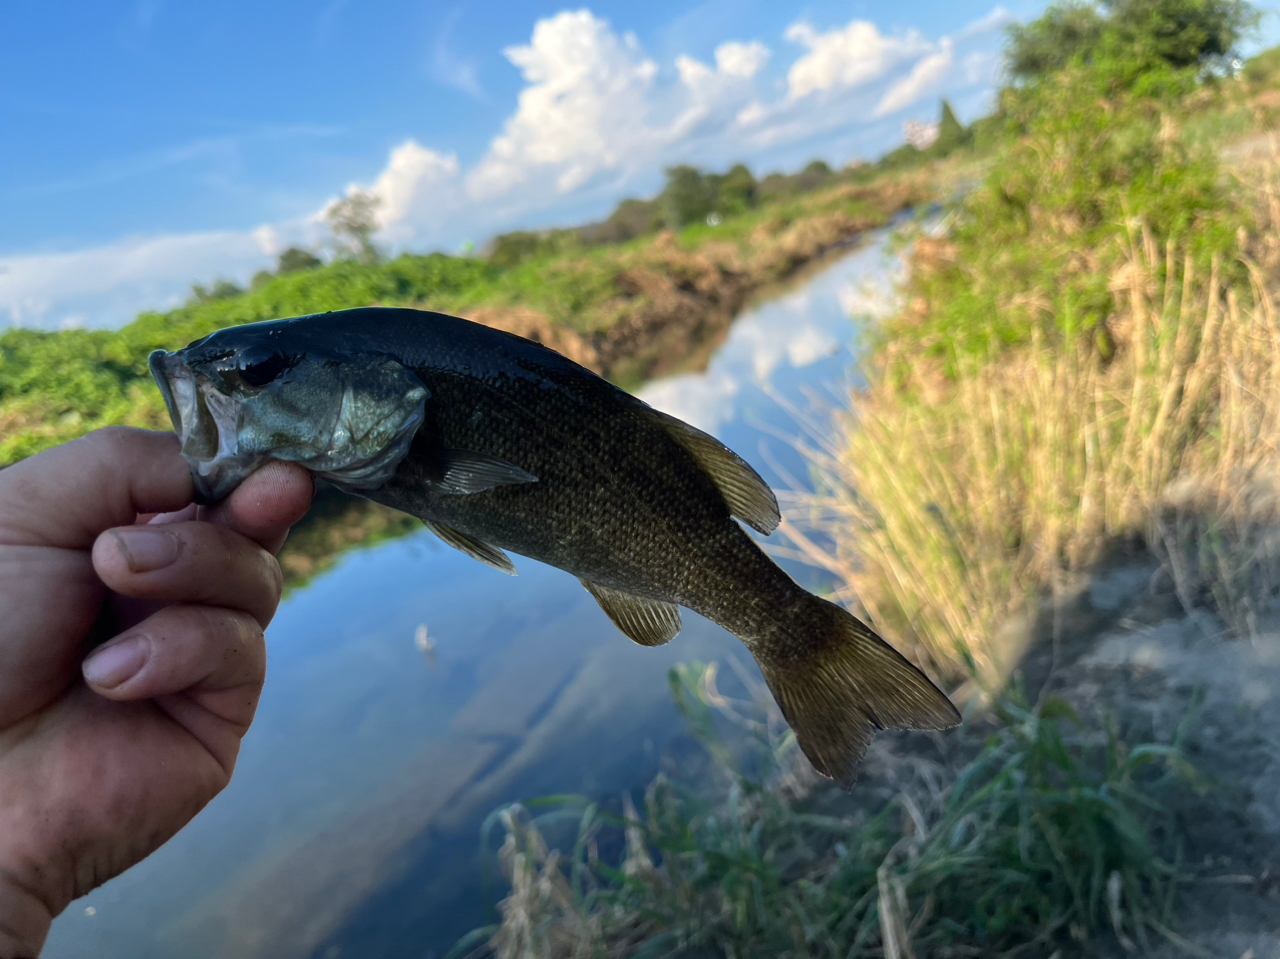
<point>815,173</point>
<point>951,134</point>
<point>737,190</point>
<point>1133,36</point>
<point>508,249</point>
<point>295,258</point>
<point>1047,44</point>
<point>352,220</point>
<point>1184,33</point>
<point>688,197</point>
<point>220,289</point>
<point>630,218</point>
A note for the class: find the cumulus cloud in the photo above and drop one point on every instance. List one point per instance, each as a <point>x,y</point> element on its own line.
<point>416,185</point>
<point>715,96</point>
<point>584,109</point>
<point>743,60</point>
<point>849,57</point>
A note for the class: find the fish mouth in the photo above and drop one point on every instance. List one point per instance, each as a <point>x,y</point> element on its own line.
<point>207,422</point>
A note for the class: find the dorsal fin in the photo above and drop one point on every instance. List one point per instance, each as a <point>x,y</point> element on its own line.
<point>746,494</point>
<point>649,622</point>
<point>489,555</point>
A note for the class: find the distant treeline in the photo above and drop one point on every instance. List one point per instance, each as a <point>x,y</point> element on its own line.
<point>691,195</point>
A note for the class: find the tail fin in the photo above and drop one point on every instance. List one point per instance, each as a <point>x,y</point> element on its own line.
<point>846,685</point>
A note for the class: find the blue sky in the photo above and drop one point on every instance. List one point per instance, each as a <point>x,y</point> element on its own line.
<point>148,144</point>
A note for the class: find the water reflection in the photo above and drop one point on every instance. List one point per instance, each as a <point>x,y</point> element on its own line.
<point>411,690</point>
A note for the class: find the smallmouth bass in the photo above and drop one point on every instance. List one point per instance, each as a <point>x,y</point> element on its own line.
<point>498,443</point>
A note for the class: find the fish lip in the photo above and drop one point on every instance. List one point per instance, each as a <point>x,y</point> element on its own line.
<point>159,362</point>
<point>213,476</point>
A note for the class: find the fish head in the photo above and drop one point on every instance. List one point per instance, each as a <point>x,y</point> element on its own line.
<point>247,394</point>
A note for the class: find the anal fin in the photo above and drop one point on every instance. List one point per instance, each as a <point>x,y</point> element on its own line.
<point>489,555</point>
<point>649,622</point>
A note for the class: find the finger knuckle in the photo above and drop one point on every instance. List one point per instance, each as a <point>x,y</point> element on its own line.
<point>250,647</point>
<point>275,575</point>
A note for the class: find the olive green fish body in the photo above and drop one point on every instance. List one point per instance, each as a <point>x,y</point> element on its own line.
<point>498,443</point>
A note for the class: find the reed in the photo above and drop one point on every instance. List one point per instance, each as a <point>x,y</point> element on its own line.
<point>948,503</point>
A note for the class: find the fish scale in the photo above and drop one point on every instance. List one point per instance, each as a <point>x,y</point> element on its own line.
<point>498,443</point>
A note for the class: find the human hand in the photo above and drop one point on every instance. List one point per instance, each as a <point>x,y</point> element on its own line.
<point>102,761</point>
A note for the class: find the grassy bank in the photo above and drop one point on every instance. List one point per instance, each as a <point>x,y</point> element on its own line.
<point>1078,395</point>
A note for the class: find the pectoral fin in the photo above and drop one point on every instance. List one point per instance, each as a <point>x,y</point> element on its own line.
<point>489,555</point>
<point>746,494</point>
<point>649,622</point>
<point>466,471</point>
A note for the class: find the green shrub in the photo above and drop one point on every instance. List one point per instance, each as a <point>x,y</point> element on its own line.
<point>1130,37</point>
<point>1035,243</point>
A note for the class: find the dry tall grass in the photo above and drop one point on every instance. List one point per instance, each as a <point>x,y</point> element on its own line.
<point>953,503</point>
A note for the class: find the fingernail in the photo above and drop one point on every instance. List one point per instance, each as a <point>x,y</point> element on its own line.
<point>146,549</point>
<point>114,664</point>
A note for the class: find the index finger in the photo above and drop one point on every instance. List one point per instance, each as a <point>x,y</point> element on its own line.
<point>67,495</point>
<point>266,504</point>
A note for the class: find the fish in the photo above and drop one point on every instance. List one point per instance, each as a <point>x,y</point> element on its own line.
<point>498,443</point>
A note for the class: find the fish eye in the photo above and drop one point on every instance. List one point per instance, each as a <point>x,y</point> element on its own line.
<point>262,372</point>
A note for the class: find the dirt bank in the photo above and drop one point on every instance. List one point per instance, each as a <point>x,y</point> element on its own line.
<point>1128,652</point>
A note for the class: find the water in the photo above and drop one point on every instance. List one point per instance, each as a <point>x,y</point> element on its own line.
<point>352,825</point>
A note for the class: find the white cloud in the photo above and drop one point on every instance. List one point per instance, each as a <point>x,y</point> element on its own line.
<point>925,77</point>
<point>848,57</point>
<point>584,110</point>
<point>753,113</point>
<point>108,284</point>
<point>447,67</point>
<point>741,59</point>
<point>715,98</point>
<point>268,239</point>
<point>994,20</point>
<point>417,184</point>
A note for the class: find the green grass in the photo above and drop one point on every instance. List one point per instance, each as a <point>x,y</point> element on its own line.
<point>1034,247</point>
<point>1055,833</point>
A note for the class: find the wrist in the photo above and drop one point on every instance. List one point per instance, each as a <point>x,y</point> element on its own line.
<point>24,920</point>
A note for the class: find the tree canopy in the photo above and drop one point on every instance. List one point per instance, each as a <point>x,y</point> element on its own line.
<point>1147,34</point>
